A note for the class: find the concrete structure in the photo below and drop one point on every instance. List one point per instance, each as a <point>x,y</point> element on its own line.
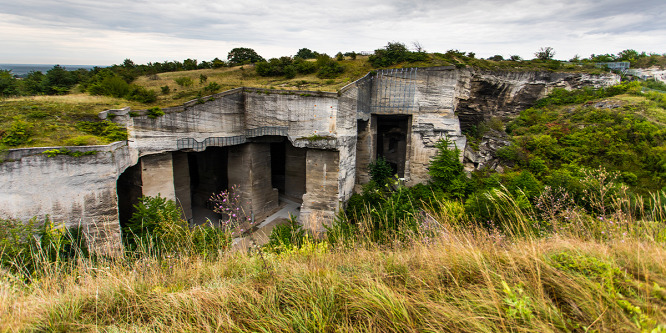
<point>312,147</point>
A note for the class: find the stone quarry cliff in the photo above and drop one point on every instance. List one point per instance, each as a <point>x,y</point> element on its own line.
<point>311,147</point>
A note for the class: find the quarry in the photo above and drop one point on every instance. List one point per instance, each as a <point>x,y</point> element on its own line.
<point>308,147</point>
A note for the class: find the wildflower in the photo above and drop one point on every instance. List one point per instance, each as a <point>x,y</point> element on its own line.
<point>601,218</point>
<point>234,215</point>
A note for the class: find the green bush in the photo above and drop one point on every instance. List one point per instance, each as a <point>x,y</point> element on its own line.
<point>380,171</point>
<point>394,53</point>
<point>184,81</point>
<point>155,112</point>
<point>18,134</point>
<point>445,166</point>
<point>328,68</point>
<point>212,87</point>
<point>25,246</point>
<point>157,225</point>
<point>141,94</point>
<point>286,236</point>
<point>110,86</point>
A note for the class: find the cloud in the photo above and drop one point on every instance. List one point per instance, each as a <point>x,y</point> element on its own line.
<point>99,32</point>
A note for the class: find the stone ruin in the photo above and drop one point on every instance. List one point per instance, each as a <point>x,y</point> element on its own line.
<point>311,147</point>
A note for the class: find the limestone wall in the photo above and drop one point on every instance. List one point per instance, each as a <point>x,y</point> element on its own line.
<point>427,96</point>
<point>483,94</point>
<point>71,190</point>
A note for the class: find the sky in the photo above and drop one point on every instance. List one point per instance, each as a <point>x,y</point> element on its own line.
<point>92,32</point>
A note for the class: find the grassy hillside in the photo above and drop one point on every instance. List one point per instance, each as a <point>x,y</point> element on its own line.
<point>587,275</point>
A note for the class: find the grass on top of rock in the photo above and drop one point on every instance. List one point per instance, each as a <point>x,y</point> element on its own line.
<point>45,121</point>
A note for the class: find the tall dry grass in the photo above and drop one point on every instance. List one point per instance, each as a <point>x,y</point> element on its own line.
<point>456,277</point>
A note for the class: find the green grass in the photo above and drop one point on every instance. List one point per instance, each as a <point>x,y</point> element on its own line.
<point>53,120</point>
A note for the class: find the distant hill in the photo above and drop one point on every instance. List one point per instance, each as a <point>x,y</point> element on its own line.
<point>21,70</point>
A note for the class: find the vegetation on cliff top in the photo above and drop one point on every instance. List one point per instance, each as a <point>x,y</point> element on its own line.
<point>172,83</point>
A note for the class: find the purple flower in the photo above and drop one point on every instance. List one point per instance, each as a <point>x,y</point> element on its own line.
<point>234,215</point>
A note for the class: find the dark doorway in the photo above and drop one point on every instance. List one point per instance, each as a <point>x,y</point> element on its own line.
<point>288,169</point>
<point>207,176</point>
<point>278,165</point>
<point>128,190</point>
<point>392,140</point>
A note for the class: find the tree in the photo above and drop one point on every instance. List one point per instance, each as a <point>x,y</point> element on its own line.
<point>305,53</point>
<point>190,64</point>
<point>392,53</point>
<point>445,167</point>
<point>545,53</point>
<point>33,83</point>
<point>8,84</point>
<point>418,47</point>
<point>242,56</point>
<point>217,63</point>
<point>58,80</point>
<point>496,57</point>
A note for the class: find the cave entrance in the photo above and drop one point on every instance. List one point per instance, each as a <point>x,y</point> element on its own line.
<point>128,190</point>
<point>288,170</point>
<point>197,176</point>
<point>392,138</point>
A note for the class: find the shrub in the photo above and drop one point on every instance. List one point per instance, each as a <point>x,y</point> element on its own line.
<point>445,166</point>
<point>155,112</point>
<point>184,81</point>
<point>24,246</point>
<point>380,171</point>
<point>141,94</point>
<point>304,67</point>
<point>394,53</point>
<point>165,90</point>
<point>286,236</point>
<point>327,67</point>
<point>151,217</point>
<point>212,87</point>
<point>18,134</point>
<point>110,86</point>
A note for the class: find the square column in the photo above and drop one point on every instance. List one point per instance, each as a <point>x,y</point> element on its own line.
<point>250,169</point>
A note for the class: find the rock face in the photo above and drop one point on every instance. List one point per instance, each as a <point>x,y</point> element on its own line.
<point>486,155</point>
<point>312,147</point>
<point>486,94</point>
<point>79,191</point>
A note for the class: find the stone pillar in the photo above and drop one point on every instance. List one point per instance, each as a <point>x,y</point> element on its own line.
<point>157,176</point>
<point>181,181</point>
<point>294,181</point>
<point>250,169</point>
<point>365,149</point>
<point>320,202</point>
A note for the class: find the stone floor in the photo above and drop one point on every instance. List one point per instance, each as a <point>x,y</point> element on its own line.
<point>263,230</point>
